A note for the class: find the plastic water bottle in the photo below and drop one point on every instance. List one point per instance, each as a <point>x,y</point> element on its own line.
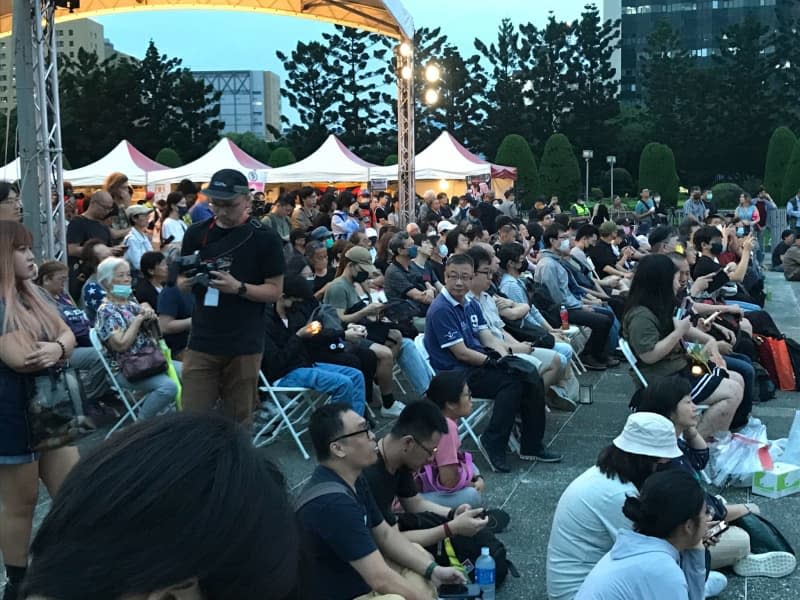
<point>564,317</point>
<point>484,574</point>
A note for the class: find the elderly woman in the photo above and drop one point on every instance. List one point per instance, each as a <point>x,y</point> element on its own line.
<point>120,321</point>
<point>92,293</point>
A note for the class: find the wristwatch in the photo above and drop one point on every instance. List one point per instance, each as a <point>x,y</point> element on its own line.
<point>242,289</point>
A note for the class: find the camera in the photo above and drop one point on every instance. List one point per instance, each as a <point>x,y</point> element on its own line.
<point>193,266</point>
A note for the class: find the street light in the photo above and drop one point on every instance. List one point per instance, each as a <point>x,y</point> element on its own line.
<point>611,160</point>
<point>587,156</point>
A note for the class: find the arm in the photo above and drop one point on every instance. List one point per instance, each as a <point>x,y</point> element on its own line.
<point>467,355</point>
<point>266,292</point>
<point>370,309</point>
<point>662,348</point>
<point>490,341</point>
<point>382,579</point>
<point>741,267</point>
<point>170,325</point>
<point>44,354</point>
<point>122,339</point>
<point>513,311</point>
<point>74,250</point>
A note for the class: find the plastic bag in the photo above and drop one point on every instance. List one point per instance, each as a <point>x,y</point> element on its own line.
<point>791,452</point>
<point>736,457</point>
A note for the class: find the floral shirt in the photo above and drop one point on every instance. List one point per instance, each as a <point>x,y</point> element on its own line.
<point>118,317</point>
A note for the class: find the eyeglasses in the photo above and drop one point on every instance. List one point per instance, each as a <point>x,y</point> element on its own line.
<point>367,430</point>
<point>483,272</point>
<point>428,451</point>
<point>459,277</point>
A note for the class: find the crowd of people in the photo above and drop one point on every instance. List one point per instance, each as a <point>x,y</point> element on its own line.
<point>329,291</point>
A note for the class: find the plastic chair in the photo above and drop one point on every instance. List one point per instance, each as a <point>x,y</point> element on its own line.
<point>131,404</point>
<point>292,406</point>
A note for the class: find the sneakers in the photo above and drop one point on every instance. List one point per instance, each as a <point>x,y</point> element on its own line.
<point>715,584</point>
<point>496,460</point>
<point>542,455</point>
<point>612,362</point>
<point>394,410</point>
<point>769,564</point>
<point>557,398</point>
<point>593,364</point>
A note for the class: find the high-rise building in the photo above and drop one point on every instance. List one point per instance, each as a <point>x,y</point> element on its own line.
<point>250,101</point>
<point>699,24</point>
<point>70,37</point>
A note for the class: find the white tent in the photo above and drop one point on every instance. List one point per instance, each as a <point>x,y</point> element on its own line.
<point>10,172</point>
<point>225,155</point>
<point>124,158</point>
<point>446,159</point>
<point>331,162</point>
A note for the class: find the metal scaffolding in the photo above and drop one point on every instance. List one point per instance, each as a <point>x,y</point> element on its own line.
<point>406,189</point>
<point>39,124</point>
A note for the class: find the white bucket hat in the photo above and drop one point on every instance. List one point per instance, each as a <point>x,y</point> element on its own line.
<point>648,434</point>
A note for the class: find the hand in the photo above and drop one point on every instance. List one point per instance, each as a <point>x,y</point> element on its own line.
<point>682,326</point>
<point>469,522</point>
<point>443,575</point>
<point>502,303</point>
<point>146,312</point>
<point>724,347</point>
<point>521,348</point>
<point>712,349</point>
<point>374,308</point>
<point>709,541</point>
<point>478,484</point>
<point>224,282</point>
<point>46,355</point>
<point>747,244</point>
<point>730,337</point>
<point>733,309</point>
<point>701,283</point>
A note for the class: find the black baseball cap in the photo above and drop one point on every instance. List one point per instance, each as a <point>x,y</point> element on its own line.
<point>227,184</point>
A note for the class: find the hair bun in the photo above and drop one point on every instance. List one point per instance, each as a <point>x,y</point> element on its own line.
<point>632,508</point>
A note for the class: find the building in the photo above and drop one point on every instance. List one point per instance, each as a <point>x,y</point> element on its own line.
<point>699,24</point>
<point>70,37</point>
<point>250,101</point>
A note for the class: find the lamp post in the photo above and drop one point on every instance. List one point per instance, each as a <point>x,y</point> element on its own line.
<point>611,160</point>
<point>587,156</point>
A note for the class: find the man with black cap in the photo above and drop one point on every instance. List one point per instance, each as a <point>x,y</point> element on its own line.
<point>246,273</point>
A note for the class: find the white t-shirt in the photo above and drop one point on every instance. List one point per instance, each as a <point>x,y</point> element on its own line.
<point>174,228</point>
<point>585,526</point>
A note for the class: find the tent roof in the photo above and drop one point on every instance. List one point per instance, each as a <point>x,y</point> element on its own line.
<point>225,155</point>
<point>10,172</point>
<point>383,16</point>
<point>331,162</point>
<point>124,158</point>
<point>446,158</point>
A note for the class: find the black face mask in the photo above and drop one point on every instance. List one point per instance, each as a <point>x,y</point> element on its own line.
<point>361,276</point>
<point>716,248</point>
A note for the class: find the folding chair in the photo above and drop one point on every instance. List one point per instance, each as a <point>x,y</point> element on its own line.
<point>292,406</point>
<point>626,350</point>
<point>131,404</point>
<point>480,407</point>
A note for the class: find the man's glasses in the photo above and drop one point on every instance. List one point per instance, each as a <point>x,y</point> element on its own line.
<point>366,430</point>
<point>482,273</point>
<point>428,451</point>
<point>459,277</point>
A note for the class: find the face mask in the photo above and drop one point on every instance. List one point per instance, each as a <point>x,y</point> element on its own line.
<point>716,248</point>
<point>709,196</point>
<point>523,266</point>
<point>412,252</point>
<point>310,278</point>
<point>564,246</point>
<point>121,290</point>
<point>740,232</point>
<point>627,230</point>
<point>658,199</point>
<point>329,243</point>
<point>361,276</point>
<point>182,210</point>
<point>442,250</point>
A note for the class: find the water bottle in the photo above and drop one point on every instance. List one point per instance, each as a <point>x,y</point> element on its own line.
<point>564,317</point>
<point>484,574</point>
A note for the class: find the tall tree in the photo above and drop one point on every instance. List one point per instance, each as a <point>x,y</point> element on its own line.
<point>593,89</point>
<point>312,89</point>
<point>657,172</point>
<point>514,151</point>
<point>195,123</point>
<point>781,146</point>
<point>559,173</point>
<point>786,60</point>
<point>503,102</point>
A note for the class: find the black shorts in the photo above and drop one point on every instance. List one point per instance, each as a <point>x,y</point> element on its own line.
<point>703,385</point>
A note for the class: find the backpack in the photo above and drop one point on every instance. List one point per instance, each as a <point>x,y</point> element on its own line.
<point>540,297</point>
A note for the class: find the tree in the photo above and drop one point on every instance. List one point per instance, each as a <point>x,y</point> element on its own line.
<point>195,108</point>
<point>786,60</point>
<point>252,144</point>
<point>657,172</point>
<point>514,151</point>
<point>559,174</point>
<point>313,96</point>
<point>779,151</point>
<point>623,182</point>
<point>281,157</point>
<point>169,158</point>
<point>791,181</point>
<point>390,160</point>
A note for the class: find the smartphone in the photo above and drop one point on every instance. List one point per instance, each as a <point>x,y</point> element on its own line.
<point>459,591</point>
<point>710,319</point>
<point>718,529</point>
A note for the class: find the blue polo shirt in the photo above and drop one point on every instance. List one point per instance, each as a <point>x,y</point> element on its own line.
<point>449,322</point>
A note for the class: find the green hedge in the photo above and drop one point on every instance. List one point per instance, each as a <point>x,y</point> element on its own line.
<point>559,173</point>
<point>781,146</point>
<point>726,195</point>
<point>281,157</point>
<point>169,158</point>
<point>657,172</point>
<point>791,180</point>
<point>514,151</point>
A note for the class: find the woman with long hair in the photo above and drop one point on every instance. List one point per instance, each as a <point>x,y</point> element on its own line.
<point>173,227</point>
<point>663,558</point>
<point>33,339</point>
<point>656,333</point>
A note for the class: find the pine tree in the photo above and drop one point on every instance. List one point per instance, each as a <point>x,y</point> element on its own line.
<point>514,151</point>
<point>559,173</point>
<point>657,172</point>
<point>781,146</point>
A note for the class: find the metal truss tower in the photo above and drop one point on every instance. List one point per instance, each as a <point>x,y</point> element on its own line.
<point>406,188</point>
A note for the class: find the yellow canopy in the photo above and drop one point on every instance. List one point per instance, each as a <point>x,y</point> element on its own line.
<point>388,17</point>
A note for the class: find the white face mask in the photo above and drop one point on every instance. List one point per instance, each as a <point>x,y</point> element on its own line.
<point>564,246</point>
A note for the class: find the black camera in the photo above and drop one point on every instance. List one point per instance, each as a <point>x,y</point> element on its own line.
<point>192,266</point>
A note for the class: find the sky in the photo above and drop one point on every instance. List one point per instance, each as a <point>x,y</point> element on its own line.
<point>217,40</point>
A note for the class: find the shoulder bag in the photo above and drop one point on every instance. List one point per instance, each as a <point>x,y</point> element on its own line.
<point>55,409</point>
<point>147,361</point>
<point>429,475</point>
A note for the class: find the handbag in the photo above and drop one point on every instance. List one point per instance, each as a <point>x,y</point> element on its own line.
<point>519,367</point>
<point>137,366</point>
<point>764,536</point>
<point>429,475</point>
<point>55,409</point>
<point>773,354</point>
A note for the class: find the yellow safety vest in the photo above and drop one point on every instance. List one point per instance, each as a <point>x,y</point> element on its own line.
<point>581,210</point>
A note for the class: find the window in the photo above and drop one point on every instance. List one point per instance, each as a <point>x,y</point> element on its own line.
<point>71,33</point>
<point>60,44</point>
<point>71,43</point>
<point>72,55</point>
<point>60,32</point>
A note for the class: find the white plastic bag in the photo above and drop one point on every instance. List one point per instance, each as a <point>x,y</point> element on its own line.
<point>791,452</point>
<point>736,457</point>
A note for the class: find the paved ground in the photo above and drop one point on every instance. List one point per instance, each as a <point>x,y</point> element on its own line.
<point>531,492</point>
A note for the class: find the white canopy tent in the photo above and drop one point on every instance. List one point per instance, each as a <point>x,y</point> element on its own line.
<point>124,158</point>
<point>10,172</point>
<point>331,162</point>
<point>225,155</point>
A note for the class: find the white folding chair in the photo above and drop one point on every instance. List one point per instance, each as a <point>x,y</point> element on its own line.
<point>627,352</point>
<point>480,407</point>
<point>396,372</point>
<point>132,405</point>
<point>292,407</point>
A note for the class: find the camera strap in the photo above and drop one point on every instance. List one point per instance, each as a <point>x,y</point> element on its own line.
<point>228,244</point>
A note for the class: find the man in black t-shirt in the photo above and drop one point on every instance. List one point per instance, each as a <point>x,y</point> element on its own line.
<point>345,533</point>
<point>227,337</point>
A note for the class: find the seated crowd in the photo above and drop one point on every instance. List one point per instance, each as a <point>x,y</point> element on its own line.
<point>328,292</point>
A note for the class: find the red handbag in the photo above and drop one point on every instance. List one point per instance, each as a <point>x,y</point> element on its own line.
<point>774,357</point>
